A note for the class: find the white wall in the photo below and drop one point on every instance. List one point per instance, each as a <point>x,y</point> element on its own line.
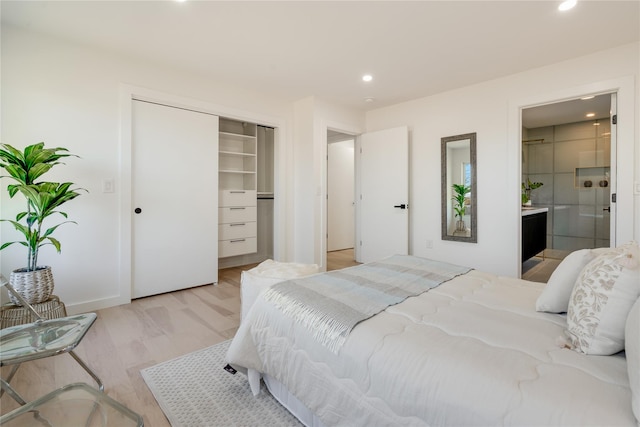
<point>304,181</point>
<point>68,95</point>
<point>312,118</point>
<point>492,110</point>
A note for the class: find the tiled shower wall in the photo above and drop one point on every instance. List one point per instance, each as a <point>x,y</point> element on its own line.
<point>573,161</point>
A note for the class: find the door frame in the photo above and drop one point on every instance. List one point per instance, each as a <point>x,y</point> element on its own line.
<point>127,93</point>
<point>324,127</point>
<point>624,88</point>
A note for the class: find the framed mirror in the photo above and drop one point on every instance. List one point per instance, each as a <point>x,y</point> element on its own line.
<point>458,177</point>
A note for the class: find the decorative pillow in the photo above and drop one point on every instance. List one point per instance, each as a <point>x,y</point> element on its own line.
<point>555,296</point>
<point>632,348</point>
<point>601,300</point>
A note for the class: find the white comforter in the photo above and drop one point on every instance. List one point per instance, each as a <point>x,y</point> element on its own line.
<point>471,352</point>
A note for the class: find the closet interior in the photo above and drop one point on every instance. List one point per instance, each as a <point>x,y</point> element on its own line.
<point>245,196</point>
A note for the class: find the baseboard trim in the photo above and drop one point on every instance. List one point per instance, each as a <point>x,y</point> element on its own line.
<point>94,305</point>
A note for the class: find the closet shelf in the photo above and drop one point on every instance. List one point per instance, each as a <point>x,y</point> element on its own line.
<point>236,153</point>
<point>235,171</point>
<point>237,136</point>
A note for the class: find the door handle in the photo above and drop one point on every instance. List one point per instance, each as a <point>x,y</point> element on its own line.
<point>138,210</point>
<point>608,209</point>
<point>402,206</point>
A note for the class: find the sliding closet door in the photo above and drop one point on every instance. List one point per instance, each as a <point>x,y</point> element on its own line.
<point>175,199</point>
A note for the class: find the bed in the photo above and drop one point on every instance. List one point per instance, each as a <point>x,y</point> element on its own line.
<point>475,349</point>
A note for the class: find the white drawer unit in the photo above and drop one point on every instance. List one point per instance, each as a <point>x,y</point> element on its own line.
<point>228,198</point>
<point>237,230</point>
<point>237,194</point>
<point>240,246</point>
<point>237,214</point>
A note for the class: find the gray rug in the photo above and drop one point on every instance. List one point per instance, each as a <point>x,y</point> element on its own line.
<point>194,390</point>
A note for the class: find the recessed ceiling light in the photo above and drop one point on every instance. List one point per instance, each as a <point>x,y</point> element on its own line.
<point>367,78</point>
<point>591,114</point>
<point>369,99</point>
<point>567,4</point>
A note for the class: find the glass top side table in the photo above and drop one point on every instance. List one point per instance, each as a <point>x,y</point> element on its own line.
<point>73,405</point>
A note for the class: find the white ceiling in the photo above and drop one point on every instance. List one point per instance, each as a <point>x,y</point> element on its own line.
<point>295,49</point>
<point>572,111</point>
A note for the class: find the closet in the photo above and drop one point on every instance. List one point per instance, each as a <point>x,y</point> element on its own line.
<point>245,196</point>
<point>237,195</point>
<point>202,194</point>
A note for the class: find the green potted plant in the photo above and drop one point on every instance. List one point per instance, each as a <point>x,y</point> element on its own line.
<point>43,198</point>
<point>526,191</point>
<point>460,205</point>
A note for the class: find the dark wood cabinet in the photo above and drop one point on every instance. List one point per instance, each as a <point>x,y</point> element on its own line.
<point>534,234</point>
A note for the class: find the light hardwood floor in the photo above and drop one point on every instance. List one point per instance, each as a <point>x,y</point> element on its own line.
<point>130,337</point>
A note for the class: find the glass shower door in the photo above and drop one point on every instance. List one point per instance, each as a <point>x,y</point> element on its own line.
<point>582,154</point>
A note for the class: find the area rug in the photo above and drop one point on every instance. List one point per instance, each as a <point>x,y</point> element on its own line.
<point>195,391</point>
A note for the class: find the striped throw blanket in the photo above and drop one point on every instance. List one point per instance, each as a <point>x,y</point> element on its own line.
<point>331,304</point>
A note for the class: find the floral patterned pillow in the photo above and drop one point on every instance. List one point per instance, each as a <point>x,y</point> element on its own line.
<point>601,300</point>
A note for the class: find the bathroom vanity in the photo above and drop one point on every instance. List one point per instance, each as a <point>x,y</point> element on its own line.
<point>534,231</point>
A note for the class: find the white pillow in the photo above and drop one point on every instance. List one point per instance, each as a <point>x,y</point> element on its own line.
<point>601,300</point>
<point>632,348</point>
<point>555,296</point>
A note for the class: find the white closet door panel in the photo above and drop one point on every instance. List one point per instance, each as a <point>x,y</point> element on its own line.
<point>175,187</point>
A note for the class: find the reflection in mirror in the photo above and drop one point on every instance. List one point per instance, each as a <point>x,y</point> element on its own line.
<point>458,168</point>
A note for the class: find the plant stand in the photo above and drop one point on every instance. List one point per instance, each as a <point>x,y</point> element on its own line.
<point>12,315</point>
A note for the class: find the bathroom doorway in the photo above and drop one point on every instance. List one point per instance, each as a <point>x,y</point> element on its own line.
<point>568,159</point>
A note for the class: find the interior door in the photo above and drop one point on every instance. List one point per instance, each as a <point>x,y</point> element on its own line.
<point>384,194</point>
<point>175,198</point>
<point>340,195</point>
<point>610,205</point>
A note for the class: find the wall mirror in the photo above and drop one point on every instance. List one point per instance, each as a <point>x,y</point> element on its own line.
<point>459,203</point>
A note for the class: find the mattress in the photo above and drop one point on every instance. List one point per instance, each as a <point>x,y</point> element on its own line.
<point>472,351</point>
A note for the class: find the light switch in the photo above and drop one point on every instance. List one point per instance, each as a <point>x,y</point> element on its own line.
<point>108,185</point>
